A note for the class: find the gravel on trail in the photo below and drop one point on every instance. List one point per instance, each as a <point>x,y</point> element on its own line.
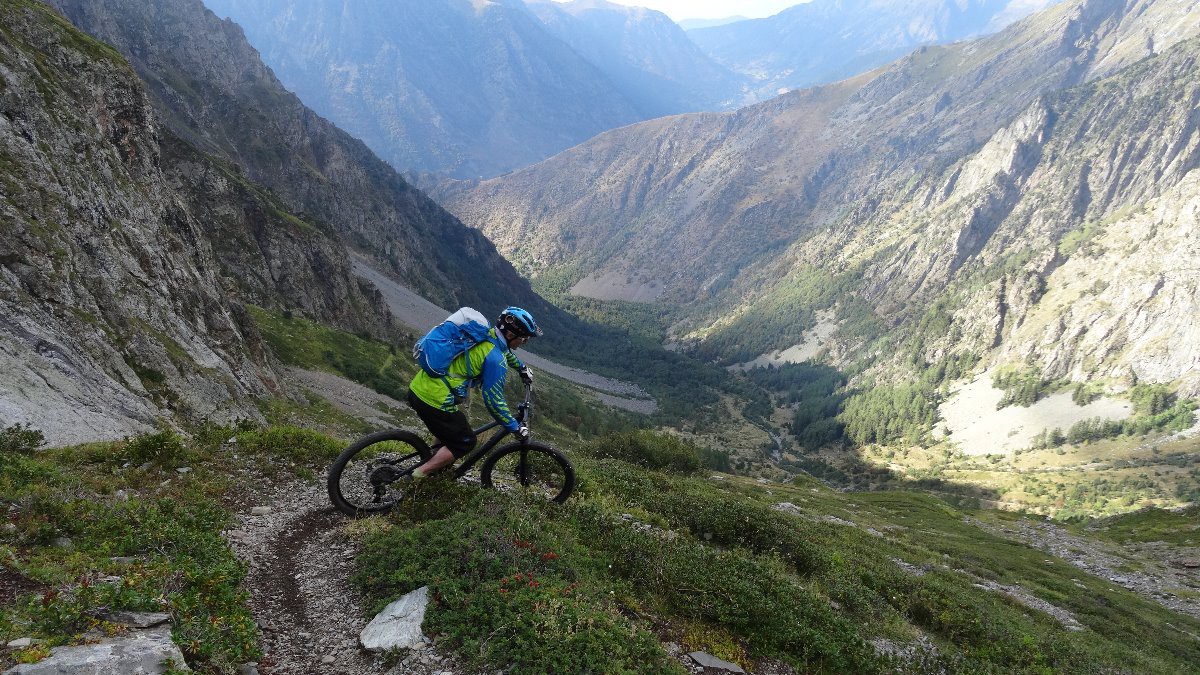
<point>300,561</point>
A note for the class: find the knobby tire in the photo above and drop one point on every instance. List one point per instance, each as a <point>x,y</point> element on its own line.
<point>547,471</point>
<point>349,481</point>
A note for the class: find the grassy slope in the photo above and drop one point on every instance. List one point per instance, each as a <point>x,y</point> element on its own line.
<point>736,574</point>
<point>637,558</point>
<point>77,517</point>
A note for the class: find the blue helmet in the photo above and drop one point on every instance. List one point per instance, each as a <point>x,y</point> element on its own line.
<point>518,322</point>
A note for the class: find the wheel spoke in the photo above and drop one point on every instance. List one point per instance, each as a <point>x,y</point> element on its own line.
<point>371,479</point>
<point>532,470</point>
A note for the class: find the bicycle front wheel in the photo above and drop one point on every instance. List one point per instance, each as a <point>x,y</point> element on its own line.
<point>366,477</point>
<point>532,468</point>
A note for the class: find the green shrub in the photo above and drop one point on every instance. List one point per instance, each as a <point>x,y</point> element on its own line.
<point>722,518</point>
<point>1084,393</point>
<point>510,591</point>
<point>753,597</point>
<point>165,448</point>
<point>1022,386</point>
<point>303,446</point>
<point>649,449</point>
<point>1151,399</point>
<point>20,439</point>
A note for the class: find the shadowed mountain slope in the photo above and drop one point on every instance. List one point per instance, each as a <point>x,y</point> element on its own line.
<point>643,53</point>
<point>471,88</point>
<point>213,91</point>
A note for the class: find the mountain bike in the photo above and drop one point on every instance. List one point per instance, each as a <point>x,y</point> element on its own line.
<point>365,478</point>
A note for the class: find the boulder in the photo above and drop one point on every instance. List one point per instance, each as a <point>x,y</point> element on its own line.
<point>137,619</point>
<point>142,653</point>
<point>709,661</point>
<point>398,626</point>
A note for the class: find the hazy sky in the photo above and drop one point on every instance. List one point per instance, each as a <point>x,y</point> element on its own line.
<point>712,9</point>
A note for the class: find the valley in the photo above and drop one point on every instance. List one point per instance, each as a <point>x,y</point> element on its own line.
<point>895,373</point>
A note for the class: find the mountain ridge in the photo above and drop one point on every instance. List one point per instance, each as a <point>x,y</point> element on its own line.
<point>646,54</point>
<point>432,109</point>
<point>826,40</point>
<point>770,197</point>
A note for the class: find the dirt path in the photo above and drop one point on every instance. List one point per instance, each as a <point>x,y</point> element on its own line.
<point>300,561</point>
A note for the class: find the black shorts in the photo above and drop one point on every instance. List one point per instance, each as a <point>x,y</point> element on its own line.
<point>451,428</point>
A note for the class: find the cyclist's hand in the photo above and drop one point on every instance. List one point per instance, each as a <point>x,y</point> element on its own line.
<point>526,376</point>
<point>523,432</point>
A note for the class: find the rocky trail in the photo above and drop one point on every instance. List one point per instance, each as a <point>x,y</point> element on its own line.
<point>300,561</point>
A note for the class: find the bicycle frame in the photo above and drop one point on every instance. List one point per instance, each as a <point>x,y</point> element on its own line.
<point>524,411</point>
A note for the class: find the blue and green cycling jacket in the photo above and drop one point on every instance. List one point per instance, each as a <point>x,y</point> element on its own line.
<point>489,363</point>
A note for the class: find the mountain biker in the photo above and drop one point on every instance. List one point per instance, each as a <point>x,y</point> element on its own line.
<point>435,400</point>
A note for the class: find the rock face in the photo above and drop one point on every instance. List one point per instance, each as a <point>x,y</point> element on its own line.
<point>951,189</point>
<point>148,196</point>
<point>211,89</point>
<point>398,626</point>
<point>112,300</point>
<point>145,652</point>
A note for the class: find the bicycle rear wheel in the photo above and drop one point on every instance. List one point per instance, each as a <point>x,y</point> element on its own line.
<point>366,477</point>
<point>532,468</point>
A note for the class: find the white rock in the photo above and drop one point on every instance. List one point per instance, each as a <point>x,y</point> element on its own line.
<point>142,652</point>
<point>709,661</point>
<point>260,510</point>
<point>398,626</point>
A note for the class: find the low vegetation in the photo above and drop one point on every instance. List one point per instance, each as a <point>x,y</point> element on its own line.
<point>826,582</point>
<point>114,526</point>
<point>638,558</point>
<point>300,342</point>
